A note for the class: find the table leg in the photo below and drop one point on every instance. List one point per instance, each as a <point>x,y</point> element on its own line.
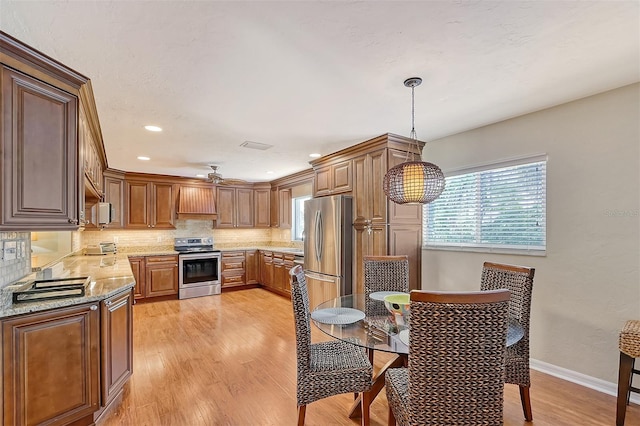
<point>377,384</point>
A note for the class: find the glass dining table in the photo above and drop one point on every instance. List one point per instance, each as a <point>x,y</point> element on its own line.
<point>362,322</point>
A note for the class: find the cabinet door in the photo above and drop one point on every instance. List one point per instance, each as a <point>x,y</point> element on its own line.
<point>40,155</point>
<point>285,208</point>
<point>162,276</point>
<point>137,267</point>
<point>278,274</point>
<point>51,366</point>
<point>274,208</point>
<point>244,208</point>
<point>117,344</point>
<point>251,267</point>
<point>341,177</point>
<point>407,240</point>
<point>322,180</point>
<point>410,214</point>
<point>226,198</point>
<point>262,210</point>
<point>163,196</point>
<point>137,205</point>
<point>114,194</point>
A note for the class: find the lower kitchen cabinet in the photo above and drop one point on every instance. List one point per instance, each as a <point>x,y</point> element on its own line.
<point>274,271</point>
<point>266,269</point>
<point>116,347</point>
<point>233,269</point>
<point>155,276</point>
<point>51,365</point>
<point>252,267</point>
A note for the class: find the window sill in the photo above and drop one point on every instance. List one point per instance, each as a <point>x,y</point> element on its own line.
<point>494,250</point>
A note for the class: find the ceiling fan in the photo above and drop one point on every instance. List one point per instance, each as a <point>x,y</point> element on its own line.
<point>216,178</point>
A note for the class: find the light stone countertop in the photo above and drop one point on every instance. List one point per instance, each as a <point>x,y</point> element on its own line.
<point>290,250</point>
<point>110,274</point>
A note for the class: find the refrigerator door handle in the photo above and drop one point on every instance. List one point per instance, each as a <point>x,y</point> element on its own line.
<point>319,277</point>
<point>319,235</point>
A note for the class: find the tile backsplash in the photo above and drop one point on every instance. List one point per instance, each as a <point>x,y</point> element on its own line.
<point>16,260</point>
<point>191,228</point>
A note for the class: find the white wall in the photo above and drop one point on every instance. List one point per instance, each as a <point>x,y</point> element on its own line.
<point>588,283</point>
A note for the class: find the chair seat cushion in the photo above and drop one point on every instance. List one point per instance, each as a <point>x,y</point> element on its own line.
<point>337,355</point>
<point>397,387</point>
<point>629,342</point>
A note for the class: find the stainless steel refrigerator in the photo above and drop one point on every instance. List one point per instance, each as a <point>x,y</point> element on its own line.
<point>328,247</point>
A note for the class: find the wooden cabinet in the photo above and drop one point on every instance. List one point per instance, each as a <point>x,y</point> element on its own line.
<point>233,268</point>
<point>116,346</point>
<point>252,267</point>
<point>281,208</point>
<point>40,185</point>
<point>114,194</point>
<point>137,268</point>
<point>333,179</point>
<point>266,269</point>
<point>262,206</point>
<point>278,271</point>
<point>150,204</point>
<point>161,276</point>
<point>235,207</point>
<point>155,276</point>
<point>38,139</point>
<point>50,366</point>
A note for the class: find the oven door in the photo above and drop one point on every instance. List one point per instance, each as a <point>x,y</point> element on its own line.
<point>199,269</point>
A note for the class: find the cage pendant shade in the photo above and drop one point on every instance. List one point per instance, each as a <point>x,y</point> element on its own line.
<point>413,182</point>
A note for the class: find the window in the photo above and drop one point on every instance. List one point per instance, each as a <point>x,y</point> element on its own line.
<point>501,208</point>
<point>297,224</point>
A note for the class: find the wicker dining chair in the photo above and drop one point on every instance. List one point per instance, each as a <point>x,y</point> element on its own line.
<point>519,281</point>
<point>326,368</point>
<point>455,374</point>
<point>384,273</point>
<point>629,345</point>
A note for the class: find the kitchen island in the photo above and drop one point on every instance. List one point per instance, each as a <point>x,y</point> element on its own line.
<point>67,360</point>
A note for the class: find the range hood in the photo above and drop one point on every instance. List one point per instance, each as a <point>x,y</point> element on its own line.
<point>197,200</point>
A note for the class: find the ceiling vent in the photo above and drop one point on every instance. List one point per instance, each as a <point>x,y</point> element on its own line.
<point>256,145</point>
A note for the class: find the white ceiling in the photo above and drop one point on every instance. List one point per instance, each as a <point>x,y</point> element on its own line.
<point>314,76</point>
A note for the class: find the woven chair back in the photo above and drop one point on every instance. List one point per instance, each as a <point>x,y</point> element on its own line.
<point>301,314</point>
<point>384,273</point>
<point>456,358</point>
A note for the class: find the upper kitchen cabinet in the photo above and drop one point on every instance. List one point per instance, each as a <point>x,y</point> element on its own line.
<point>282,194</point>
<point>39,140</point>
<point>235,207</point>
<point>92,152</point>
<point>262,205</point>
<point>149,203</point>
<point>197,201</point>
<point>333,179</point>
<point>114,194</point>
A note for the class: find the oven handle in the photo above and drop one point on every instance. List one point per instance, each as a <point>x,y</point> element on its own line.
<point>199,256</point>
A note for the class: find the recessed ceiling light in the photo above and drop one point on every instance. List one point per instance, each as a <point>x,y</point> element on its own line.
<point>143,158</point>
<point>199,175</point>
<point>153,128</point>
<point>269,172</point>
<point>315,155</point>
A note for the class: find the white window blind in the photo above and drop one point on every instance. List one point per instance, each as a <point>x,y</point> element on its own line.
<point>497,209</point>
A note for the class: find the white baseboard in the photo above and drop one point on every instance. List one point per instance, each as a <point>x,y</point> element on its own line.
<point>580,379</point>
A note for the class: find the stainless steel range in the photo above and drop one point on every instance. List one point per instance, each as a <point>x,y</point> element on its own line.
<point>199,267</point>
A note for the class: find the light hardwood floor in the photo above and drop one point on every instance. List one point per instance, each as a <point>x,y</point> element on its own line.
<point>230,360</point>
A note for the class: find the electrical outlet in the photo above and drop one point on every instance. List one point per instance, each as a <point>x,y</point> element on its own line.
<point>10,249</point>
<point>159,238</point>
<point>115,240</point>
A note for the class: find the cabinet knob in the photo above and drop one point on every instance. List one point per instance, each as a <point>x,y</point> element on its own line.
<point>74,221</point>
<point>148,226</point>
<point>93,308</point>
<point>108,303</point>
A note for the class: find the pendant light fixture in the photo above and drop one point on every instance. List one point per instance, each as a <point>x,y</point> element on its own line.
<point>413,181</point>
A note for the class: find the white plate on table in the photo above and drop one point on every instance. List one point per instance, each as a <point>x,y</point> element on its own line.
<point>404,337</point>
<point>380,295</point>
<point>337,315</point>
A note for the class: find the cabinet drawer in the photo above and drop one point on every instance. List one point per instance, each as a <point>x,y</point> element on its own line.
<point>161,259</point>
<point>290,257</point>
<point>232,279</point>
<point>235,264</point>
<point>266,253</point>
<point>277,255</point>
<point>232,254</point>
